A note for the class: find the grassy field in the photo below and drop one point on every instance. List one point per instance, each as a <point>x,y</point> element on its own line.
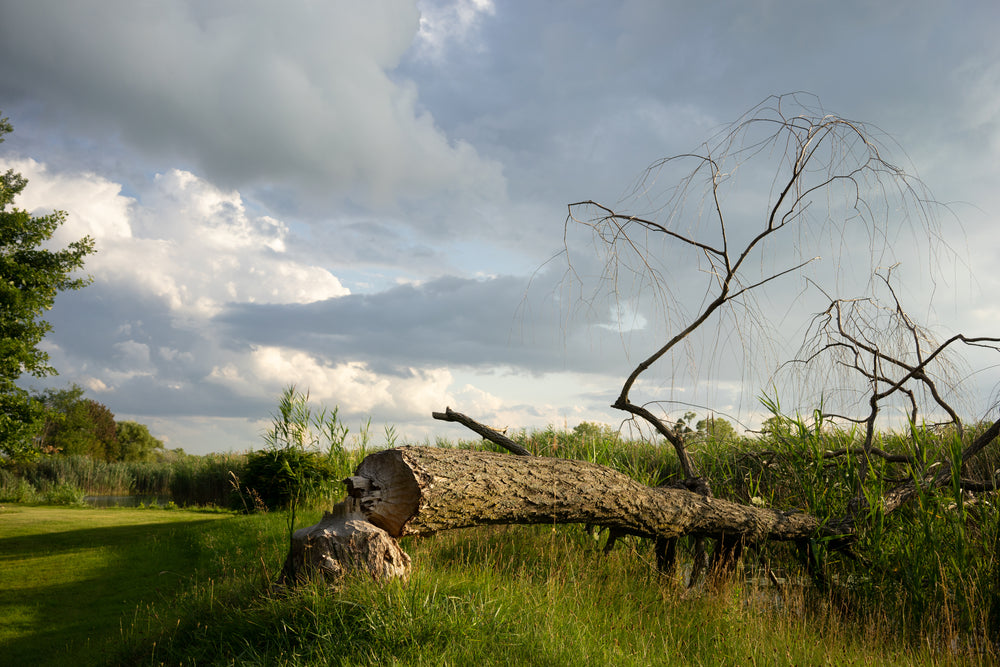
<point>149,587</point>
<point>68,576</point>
<point>179,587</point>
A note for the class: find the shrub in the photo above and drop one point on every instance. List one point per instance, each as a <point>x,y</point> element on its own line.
<point>282,477</point>
<point>63,494</point>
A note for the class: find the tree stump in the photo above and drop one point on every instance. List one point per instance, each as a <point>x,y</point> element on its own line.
<point>342,543</point>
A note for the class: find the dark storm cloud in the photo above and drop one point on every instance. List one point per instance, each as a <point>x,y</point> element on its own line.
<point>249,92</point>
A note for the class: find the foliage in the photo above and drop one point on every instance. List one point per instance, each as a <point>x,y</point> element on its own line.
<point>135,443</point>
<point>78,426</point>
<point>75,425</point>
<point>187,480</point>
<point>30,277</point>
<point>717,430</point>
<point>305,459</point>
<point>283,478</point>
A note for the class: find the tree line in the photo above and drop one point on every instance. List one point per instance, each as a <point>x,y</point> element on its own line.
<point>32,273</point>
<point>76,425</point>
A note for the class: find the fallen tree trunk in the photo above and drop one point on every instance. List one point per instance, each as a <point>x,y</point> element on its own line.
<point>423,490</point>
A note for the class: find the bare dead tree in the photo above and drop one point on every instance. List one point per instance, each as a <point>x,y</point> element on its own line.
<point>816,157</point>
<point>820,157</point>
<point>894,356</point>
<point>828,180</point>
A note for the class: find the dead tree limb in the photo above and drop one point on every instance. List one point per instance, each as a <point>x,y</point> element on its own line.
<point>486,432</point>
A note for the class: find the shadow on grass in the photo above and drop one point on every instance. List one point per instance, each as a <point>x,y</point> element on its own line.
<point>63,594</point>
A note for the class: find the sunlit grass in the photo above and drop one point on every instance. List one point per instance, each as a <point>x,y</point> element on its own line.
<point>502,596</point>
<point>151,586</point>
<point>68,574</point>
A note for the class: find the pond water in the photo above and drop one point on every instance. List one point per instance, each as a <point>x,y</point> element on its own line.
<point>125,501</point>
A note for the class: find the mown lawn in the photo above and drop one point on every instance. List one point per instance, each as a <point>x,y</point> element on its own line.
<point>69,575</point>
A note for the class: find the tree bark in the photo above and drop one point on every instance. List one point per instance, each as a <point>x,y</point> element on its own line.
<point>423,490</point>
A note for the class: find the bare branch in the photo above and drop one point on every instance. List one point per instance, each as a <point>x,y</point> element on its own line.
<point>486,432</point>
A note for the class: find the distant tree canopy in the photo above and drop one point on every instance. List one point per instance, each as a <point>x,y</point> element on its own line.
<point>135,443</point>
<point>82,426</point>
<point>30,278</point>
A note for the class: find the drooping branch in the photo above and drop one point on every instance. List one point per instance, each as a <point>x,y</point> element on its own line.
<point>819,153</point>
<point>902,358</point>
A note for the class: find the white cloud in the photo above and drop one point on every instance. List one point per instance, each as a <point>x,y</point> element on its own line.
<point>188,243</point>
<point>168,260</point>
<point>352,386</point>
<point>452,22</point>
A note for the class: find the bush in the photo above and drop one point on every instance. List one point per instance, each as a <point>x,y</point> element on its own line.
<point>64,494</point>
<point>14,489</point>
<point>283,477</point>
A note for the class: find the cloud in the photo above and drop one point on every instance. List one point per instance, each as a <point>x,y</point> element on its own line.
<point>296,94</point>
<point>450,321</point>
<point>351,385</point>
<point>202,307</point>
<point>452,22</point>
<point>188,244</point>
<point>353,195</point>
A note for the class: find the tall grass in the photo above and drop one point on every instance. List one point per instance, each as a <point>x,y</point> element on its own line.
<point>507,595</point>
<point>928,573</point>
<point>924,580</point>
<point>188,481</point>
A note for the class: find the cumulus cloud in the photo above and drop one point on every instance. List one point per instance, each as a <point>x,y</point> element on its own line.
<point>189,244</point>
<point>350,385</point>
<point>201,306</point>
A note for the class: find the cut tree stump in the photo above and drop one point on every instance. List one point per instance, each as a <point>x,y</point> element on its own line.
<point>343,542</point>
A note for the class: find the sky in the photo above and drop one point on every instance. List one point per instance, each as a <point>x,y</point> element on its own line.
<point>368,200</point>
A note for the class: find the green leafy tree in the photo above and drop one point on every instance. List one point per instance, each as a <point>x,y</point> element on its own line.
<point>135,443</point>
<point>717,430</point>
<point>78,425</point>
<point>30,278</point>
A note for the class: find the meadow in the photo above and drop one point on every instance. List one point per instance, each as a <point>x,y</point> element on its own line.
<point>175,586</point>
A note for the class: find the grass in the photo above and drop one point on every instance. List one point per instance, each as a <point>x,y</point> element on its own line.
<point>160,587</point>
<point>68,574</point>
<point>149,587</point>
<point>513,595</point>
